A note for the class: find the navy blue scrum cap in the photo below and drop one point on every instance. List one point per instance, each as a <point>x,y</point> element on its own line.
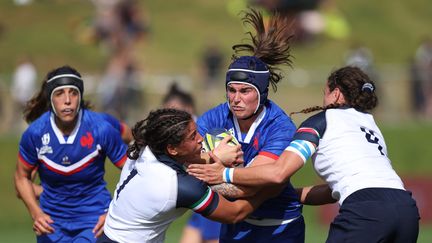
<point>250,70</point>
<point>65,80</point>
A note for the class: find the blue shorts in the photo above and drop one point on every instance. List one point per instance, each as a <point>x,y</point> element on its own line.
<point>376,215</point>
<point>71,231</point>
<point>209,229</point>
<point>293,232</point>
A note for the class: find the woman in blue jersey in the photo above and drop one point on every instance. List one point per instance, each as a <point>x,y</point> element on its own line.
<point>262,128</point>
<point>349,153</point>
<point>68,143</point>
<point>154,188</point>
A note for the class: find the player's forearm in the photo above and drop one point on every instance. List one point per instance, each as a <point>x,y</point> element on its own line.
<point>233,191</point>
<point>315,195</point>
<point>25,192</point>
<point>278,172</point>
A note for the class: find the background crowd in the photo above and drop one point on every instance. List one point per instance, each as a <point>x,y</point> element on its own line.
<point>123,85</point>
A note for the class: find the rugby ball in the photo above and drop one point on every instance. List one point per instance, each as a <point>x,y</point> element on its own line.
<point>213,138</point>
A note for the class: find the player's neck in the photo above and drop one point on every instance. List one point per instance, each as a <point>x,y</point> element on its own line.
<point>66,127</point>
<point>245,124</point>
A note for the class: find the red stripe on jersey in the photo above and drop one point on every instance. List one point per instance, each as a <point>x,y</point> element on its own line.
<point>121,162</point>
<point>268,154</point>
<point>70,172</point>
<point>206,204</point>
<point>24,162</point>
<point>122,128</point>
<point>308,130</point>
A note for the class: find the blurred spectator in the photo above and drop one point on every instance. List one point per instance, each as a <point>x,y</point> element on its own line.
<point>120,25</point>
<point>212,60</point>
<point>179,99</point>
<point>22,2</point>
<point>422,77</point>
<point>417,94</point>
<point>22,89</point>
<point>23,82</point>
<point>360,56</point>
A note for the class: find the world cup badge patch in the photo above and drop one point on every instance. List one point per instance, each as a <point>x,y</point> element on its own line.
<point>45,149</point>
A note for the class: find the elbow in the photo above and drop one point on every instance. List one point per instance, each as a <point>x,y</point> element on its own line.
<point>278,178</point>
<point>17,194</point>
<point>236,218</point>
<point>239,216</point>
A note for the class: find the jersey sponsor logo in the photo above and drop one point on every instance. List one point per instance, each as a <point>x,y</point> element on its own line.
<point>87,141</point>
<point>65,160</point>
<point>45,149</point>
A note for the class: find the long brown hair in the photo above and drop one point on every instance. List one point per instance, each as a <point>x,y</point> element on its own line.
<point>271,43</point>
<point>356,86</point>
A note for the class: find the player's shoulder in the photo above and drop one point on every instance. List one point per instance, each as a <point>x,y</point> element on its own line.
<point>39,125</point>
<point>95,119</point>
<point>214,117</point>
<point>220,110</point>
<point>190,189</point>
<point>317,122</point>
<point>277,117</point>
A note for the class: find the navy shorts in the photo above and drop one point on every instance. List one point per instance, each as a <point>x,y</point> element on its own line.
<point>71,231</point>
<point>376,215</point>
<point>104,239</point>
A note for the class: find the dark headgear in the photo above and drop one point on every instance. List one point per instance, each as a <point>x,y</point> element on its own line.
<point>64,80</point>
<point>250,70</point>
<point>61,80</point>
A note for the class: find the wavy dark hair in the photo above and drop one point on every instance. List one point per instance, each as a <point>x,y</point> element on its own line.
<point>160,128</point>
<point>271,43</point>
<point>350,81</point>
<point>40,102</point>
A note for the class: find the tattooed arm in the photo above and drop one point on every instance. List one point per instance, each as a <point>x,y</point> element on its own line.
<point>233,191</point>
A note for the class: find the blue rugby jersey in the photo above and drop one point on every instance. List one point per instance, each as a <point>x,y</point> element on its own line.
<point>270,134</point>
<point>71,168</point>
<point>114,122</point>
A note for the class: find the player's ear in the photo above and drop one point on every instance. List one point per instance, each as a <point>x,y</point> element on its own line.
<point>338,96</point>
<point>172,150</point>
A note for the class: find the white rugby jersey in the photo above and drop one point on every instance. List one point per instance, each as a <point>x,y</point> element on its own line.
<point>351,152</point>
<point>152,192</point>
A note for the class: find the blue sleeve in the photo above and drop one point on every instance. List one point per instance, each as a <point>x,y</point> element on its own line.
<point>312,129</point>
<point>278,137</point>
<point>196,195</point>
<point>114,147</point>
<point>114,122</point>
<point>213,118</point>
<point>27,149</point>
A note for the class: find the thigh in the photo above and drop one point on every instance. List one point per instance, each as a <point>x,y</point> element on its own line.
<point>57,236</point>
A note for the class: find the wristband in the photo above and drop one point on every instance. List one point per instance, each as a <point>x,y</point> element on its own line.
<point>227,175</point>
